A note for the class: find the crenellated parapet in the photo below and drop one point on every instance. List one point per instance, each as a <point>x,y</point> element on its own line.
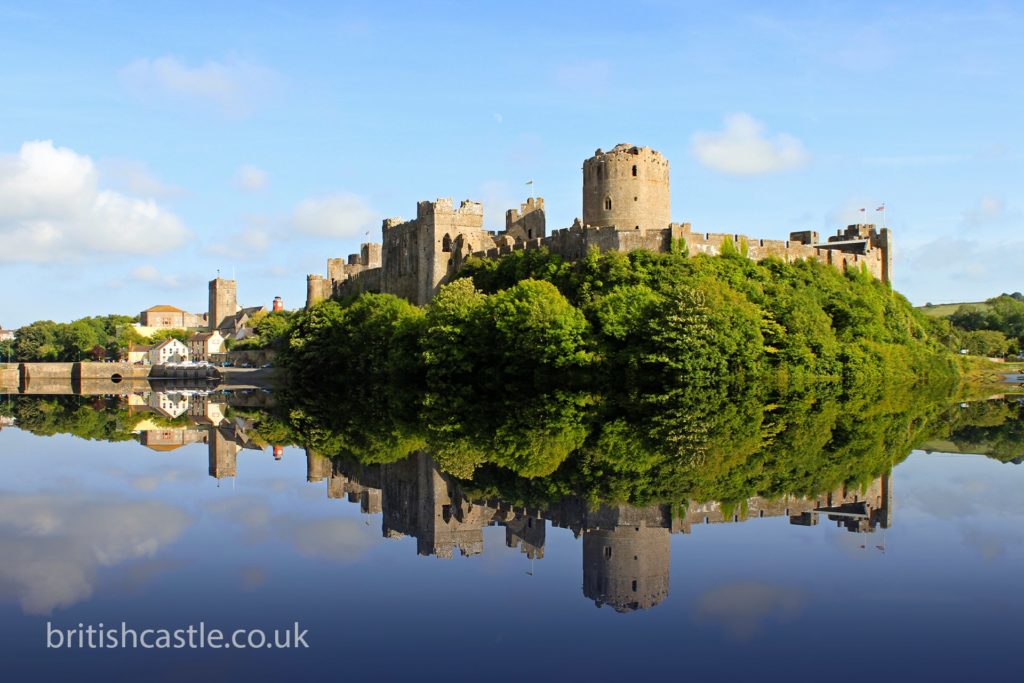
<point>527,222</point>
<point>625,208</point>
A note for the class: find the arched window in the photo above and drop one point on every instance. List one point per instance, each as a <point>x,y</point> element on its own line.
<point>634,170</point>
<point>607,203</point>
<point>446,243</point>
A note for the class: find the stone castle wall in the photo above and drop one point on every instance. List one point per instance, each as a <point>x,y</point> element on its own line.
<point>625,208</point>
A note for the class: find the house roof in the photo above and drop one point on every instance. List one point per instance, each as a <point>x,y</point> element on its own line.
<point>232,322</point>
<point>164,343</point>
<point>163,308</point>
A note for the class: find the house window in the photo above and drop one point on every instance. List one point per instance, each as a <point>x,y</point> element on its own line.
<point>634,170</point>
<point>607,203</point>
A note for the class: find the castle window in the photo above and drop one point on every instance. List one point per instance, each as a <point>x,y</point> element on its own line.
<point>634,170</point>
<point>446,243</point>
<point>607,203</point>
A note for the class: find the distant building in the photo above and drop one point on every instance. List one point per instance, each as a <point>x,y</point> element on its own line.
<point>168,351</point>
<point>164,317</point>
<point>138,353</point>
<point>202,345</point>
<point>226,316</point>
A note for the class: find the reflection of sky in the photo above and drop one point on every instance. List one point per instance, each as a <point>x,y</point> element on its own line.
<point>125,533</point>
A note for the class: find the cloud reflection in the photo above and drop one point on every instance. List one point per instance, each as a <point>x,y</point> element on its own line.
<point>53,544</point>
<point>744,607</point>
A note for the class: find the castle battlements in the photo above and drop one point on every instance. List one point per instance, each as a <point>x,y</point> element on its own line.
<point>626,550</point>
<point>626,206</point>
<point>446,205</point>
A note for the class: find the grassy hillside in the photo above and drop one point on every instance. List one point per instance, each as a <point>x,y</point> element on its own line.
<point>946,310</point>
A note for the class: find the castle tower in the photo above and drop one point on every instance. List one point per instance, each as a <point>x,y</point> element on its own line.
<point>223,301</point>
<point>318,288</point>
<point>626,188</point>
<point>527,222</point>
<point>223,454</point>
<point>626,566</point>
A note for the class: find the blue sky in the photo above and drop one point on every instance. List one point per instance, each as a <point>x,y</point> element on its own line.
<point>141,150</point>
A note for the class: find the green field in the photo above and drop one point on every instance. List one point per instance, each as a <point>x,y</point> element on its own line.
<point>946,310</point>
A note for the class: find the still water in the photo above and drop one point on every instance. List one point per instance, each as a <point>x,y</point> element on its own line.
<point>167,510</point>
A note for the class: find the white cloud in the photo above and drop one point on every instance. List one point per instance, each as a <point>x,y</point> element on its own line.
<point>151,275</point>
<point>55,544</point>
<point>990,210</point>
<point>497,198</point>
<point>251,241</point>
<point>135,177</point>
<point>233,86</point>
<point>338,215</point>
<point>743,149</point>
<point>52,209</point>
<point>251,178</point>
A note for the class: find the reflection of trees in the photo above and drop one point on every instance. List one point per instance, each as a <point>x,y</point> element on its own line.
<point>993,428</point>
<point>92,418</point>
<point>691,443</point>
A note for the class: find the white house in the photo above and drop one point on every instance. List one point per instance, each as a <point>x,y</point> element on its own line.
<point>204,344</point>
<point>168,351</point>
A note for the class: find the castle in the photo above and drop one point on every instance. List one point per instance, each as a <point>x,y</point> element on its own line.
<point>626,206</point>
<point>626,552</point>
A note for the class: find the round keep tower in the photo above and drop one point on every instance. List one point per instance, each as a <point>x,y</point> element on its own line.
<point>626,188</point>
<point>626,567</point>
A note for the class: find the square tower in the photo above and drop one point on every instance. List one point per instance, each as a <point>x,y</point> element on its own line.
<point>223,302</point>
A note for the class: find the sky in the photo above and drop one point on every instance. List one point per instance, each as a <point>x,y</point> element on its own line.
<point>145,149</point>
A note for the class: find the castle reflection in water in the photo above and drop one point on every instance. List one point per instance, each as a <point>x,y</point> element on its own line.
<point>626,549</point>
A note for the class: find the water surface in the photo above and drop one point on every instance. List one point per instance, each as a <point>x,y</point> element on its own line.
<point>176,510</point>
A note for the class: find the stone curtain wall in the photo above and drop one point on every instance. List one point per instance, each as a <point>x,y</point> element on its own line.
<point>871,252</point>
